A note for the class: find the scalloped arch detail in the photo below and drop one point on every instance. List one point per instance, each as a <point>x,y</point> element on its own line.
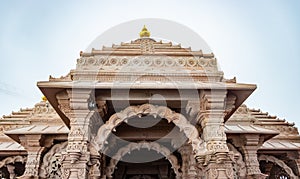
<point>287,169</point>
<point>148,109</point>
<point>9,160</point>
<point>144,145</point>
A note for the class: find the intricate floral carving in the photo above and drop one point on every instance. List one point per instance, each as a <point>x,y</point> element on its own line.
<point>144,61</point>
<point>51,165</point>
<point>65,173</point>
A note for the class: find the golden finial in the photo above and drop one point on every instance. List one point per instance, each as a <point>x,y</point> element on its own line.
<point>44,98</point>
<point>144,32</point>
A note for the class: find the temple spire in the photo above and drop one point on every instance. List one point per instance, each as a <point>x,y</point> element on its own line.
<point>144,32</point>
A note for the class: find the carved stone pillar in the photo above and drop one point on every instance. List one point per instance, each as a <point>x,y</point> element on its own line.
<point>297,161</point>
<point>95,172</point>
<point>32,144</point>
<point>217,163</point>
<point>249,144</point>
<point>183,150</point>
<point>188,167</point>
<point>11,171</point>
<point>80,107</point>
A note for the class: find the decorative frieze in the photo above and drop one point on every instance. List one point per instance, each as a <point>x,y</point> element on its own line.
<point>99,62</point>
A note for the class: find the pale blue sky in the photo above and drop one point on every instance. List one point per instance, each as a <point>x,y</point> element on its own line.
<point>256,41</point>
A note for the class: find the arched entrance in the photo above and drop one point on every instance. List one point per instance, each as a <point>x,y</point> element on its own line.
<point>163,112</point>
<point>164,166</point>
<point>161,166</point>
<point>11,167</point>
<point>158,169</point>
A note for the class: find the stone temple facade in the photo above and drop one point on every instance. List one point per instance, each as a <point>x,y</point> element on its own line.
<point>146,109</point>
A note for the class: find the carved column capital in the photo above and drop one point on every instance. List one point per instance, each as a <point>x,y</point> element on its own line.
<point>249,144</point>
<point>211,118</point>
<point>34,146</point>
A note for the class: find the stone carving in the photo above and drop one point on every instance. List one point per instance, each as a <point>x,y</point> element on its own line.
<point>65,172</point>
<point>43,108</point>
<point>211,118</point>
<point>147,46</point>
<point>192,108</point>
<point>239,166</point>
<point>249,144</point>
<point>230,103</point>
<point>287,169</point>
<point>143,145</point>
<point>77,133</point>
<point>81,109</point>
<point>188,166</point>
<point>95,163</point>
<point>12,160</point>
<point>68,77</point>
<point>115,62</point>
<point>147,109</point>
<point>64,102</point>
<point>216,170</point>
<point>51,165</point>
<point>32,143</point>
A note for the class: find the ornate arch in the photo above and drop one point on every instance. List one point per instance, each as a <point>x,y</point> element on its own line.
<point>280,163</point>
<point>50,167</point>
<point>143,145</point>
<point>12,160</point>
<point>148,109</point>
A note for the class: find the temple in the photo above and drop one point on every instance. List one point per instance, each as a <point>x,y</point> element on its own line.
<point>146,109</point>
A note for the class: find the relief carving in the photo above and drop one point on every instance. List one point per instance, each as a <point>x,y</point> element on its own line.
<point>52,161</point>
<point>147,109</point>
